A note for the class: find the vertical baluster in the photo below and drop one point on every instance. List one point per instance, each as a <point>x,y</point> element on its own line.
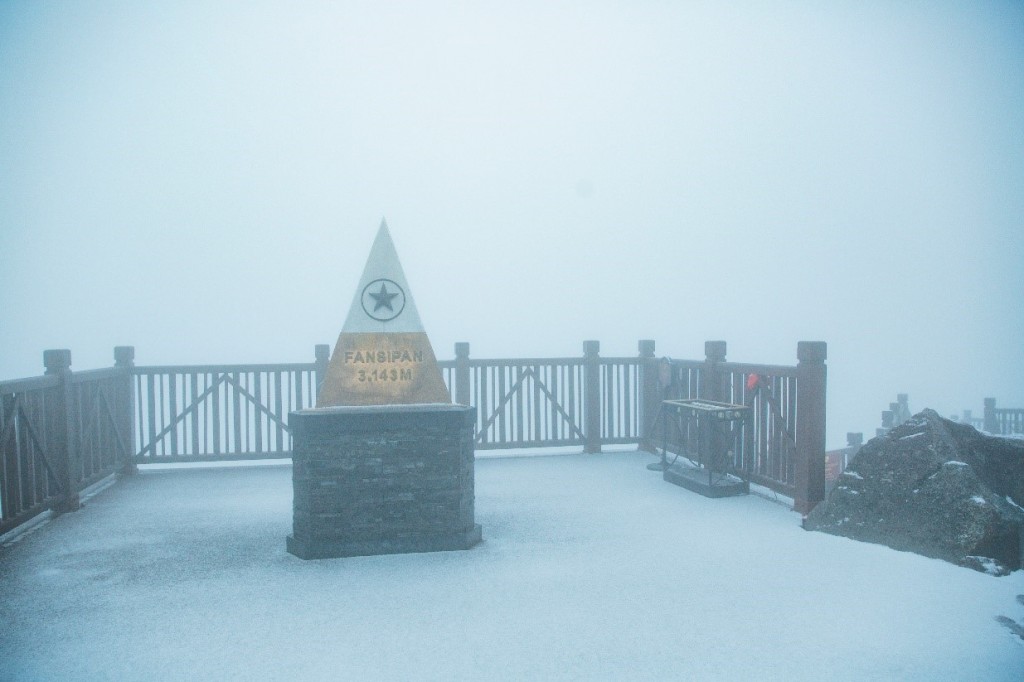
<point>554,422</point>
<point>235,444</point>
<point>82,434</point>
<point>522,398</point>
<point>791,396</point>
<point>479,397</point>
<point>192,418</point>
<point>151,409</point>
<point>8,433</point>
<point>750,436</point>
<point>257,412</point>
<point>539,413</point>
<point>573,402</point>
<point>215,412</point>
<point>172,403</point>
<point>499,408</point>
<point>278,433</point>
<point>139,411</point>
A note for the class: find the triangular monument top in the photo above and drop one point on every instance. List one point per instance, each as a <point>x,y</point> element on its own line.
<point>382,356</point>
<point>383,302</point>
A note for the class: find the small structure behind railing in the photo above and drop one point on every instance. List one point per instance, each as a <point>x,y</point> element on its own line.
<point>782,447</point>
<point>897,413</point>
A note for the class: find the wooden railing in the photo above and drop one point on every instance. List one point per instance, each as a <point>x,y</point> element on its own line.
<point>589,401</point>
<point>62,431</point>
<point>999,421</point>
<point>1003,420</point>
<point>224,412</point>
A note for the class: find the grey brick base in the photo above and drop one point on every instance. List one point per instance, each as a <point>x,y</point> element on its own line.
<point>382,480</point>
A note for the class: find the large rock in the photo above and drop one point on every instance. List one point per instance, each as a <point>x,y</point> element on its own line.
<point>937,488</point>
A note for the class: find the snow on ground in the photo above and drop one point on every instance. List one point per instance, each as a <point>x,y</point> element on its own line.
<point>592,568</point>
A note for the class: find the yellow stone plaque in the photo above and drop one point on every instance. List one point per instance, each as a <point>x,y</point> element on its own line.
<point>383,356</point>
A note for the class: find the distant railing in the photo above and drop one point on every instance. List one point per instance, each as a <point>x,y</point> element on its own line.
<point>999,421</point>
<point>968,418</point>
<point>60,433</point>
<point>836,461</point>
<point>1003,421</point>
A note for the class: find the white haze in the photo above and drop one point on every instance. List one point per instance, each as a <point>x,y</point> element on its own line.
<point>203,181</point>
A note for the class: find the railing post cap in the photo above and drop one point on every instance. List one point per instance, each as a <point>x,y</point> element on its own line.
<point>322,351</point>
<point>591,347</point>
<point>124,356</point>
<point>811,351</point>
<point>715,350</point>
<point>56,359</point>
<point>462,349</point>
<point>646,348</point>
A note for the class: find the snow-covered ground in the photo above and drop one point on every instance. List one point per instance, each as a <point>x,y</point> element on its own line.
<point>592,568</point>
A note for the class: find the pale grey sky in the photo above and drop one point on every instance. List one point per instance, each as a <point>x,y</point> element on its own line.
<point>204,181</point>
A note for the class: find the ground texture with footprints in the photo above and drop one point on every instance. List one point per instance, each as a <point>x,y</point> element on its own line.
<point>1014,627</point>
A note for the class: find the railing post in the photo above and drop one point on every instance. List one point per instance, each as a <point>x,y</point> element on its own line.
<point>650,395</point>
<point>854,442</point>
<point>591,396</point>
<point>322,353</point>
<point>810,425</point>
<point>991,422</point>
<point>712,387</point>
<point>124,359</point>
<point>61,445</point>
<point>711,381</point>
<point>887,422</point>
<point>903,401</point>
<point>462,373</point>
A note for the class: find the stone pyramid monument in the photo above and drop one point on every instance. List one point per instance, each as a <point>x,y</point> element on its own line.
<point>382,356</point>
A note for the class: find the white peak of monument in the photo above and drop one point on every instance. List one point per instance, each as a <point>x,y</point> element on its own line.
<point>383,301</point>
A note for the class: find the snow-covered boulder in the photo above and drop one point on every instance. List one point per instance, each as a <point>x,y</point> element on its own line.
<point>937,488</point>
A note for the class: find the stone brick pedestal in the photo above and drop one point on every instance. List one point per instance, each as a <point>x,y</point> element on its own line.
<point>382,480</point>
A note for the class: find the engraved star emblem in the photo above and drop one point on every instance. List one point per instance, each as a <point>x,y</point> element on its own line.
<point>382,299</point>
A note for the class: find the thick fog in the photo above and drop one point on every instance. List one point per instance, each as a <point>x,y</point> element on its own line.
<point>204,183</point>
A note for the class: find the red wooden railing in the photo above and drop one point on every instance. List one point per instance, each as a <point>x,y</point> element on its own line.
<point>65,430</point>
